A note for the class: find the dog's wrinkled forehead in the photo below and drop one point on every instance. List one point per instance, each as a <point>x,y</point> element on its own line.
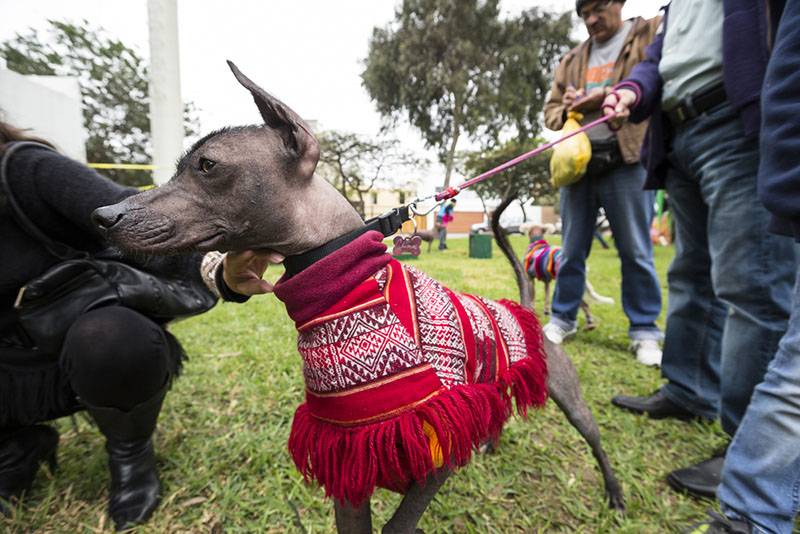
<point>184,160</point>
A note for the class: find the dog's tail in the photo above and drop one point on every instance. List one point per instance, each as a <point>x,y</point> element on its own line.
<point>597,297</point>
<point>523,282</point>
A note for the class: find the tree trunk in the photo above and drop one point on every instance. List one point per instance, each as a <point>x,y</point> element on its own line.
<point>451,152</point>
<point>523,282</point>
<point>362,207</point>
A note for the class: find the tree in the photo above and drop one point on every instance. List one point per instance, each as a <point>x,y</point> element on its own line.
<point>527,180</point>
<point>354,164</point>
<point>114,88</point>
<point>531,45</point>
<point>454,68</point>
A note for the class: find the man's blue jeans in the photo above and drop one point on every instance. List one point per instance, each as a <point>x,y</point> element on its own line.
<point>629,210</point>
<point>761,477</point>
<point>730,282</point>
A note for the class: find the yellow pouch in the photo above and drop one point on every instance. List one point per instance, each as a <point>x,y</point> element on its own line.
<point>570,158</point>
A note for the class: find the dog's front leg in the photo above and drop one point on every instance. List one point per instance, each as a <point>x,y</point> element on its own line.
<point>547,297</point>
<point>353,520</point>
<point>414,504</point>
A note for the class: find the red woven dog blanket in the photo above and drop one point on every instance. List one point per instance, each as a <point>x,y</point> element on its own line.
<point>402,375</point>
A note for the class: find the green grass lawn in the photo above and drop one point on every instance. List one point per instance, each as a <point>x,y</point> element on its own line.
<point>222,436</point>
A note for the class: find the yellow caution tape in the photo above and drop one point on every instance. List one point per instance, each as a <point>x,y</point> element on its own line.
<point>124,166</point>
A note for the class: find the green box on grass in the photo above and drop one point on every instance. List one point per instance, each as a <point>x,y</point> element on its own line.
<point>480,245</point>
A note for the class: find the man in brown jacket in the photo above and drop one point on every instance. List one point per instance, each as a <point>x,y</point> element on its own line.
<point>614,178</point>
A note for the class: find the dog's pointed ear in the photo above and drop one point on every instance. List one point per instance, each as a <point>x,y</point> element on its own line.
<point>294,131</point>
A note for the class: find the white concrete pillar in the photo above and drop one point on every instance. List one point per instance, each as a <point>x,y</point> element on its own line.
<point>166,106</point>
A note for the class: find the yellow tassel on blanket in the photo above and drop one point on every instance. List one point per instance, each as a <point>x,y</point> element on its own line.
<point>433,443</point>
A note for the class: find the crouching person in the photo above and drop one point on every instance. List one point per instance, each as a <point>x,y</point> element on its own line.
<point>115,362</point>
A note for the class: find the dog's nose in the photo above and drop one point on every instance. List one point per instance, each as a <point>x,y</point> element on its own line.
<point>106,217</point>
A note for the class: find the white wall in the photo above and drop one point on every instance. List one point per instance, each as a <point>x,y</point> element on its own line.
<point>50,106</point>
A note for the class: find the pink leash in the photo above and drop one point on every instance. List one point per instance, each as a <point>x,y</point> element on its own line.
<point>450,192</point>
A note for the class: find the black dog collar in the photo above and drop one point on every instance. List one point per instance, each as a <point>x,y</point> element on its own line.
<point>387,224</point>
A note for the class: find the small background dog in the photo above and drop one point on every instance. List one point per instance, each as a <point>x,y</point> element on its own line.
<point>542,262</point>
<point>427,235</point>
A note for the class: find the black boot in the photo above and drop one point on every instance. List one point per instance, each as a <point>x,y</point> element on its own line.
<point>21,453</point>
<point>135,487</point>
<point>701,479</point>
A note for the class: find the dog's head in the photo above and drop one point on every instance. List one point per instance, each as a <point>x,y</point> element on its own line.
<point>534,231</point>
<point>236,188</point>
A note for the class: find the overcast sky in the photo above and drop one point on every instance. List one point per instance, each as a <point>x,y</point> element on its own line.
<point>308,53</point>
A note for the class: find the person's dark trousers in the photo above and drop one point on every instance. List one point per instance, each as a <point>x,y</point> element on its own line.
<point>117,364</point>
<point>442,237</point>
<point>629,210</point>
<point>730,283</point>
<point>120,364</point>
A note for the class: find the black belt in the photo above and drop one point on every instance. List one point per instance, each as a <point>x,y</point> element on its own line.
<point>695,104</point>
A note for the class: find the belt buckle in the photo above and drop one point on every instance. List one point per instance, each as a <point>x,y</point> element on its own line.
<point>20,296</point>
<point>685,110</point>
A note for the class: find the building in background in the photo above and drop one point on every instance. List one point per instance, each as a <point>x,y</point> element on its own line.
<point>48,106</point>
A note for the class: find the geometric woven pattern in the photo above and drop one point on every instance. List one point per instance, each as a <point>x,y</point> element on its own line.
<point>355,349</point>
<point>440,333</point>
<point>509,329</point>
<point>483,340</point>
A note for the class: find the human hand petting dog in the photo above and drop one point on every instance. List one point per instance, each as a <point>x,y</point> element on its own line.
<point>619,102</point>
<point>244,271</point>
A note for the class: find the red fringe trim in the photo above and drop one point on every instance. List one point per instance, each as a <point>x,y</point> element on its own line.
<point>349,462</point>
<point>532,389</point>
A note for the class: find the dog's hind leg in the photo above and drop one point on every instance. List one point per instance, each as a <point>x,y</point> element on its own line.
<point>353,520</point>
<point>591,324</point>
<point>564,388</point>
<point>414,504</point>
<point>562,380</point>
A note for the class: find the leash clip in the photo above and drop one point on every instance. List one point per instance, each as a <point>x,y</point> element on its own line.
<point>413,207</point>
<point>391,221</point>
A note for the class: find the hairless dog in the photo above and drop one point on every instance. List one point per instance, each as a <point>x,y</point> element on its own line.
<point>254,187</point>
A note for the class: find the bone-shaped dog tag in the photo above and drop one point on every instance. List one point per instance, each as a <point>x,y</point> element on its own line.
<point>406,245</point>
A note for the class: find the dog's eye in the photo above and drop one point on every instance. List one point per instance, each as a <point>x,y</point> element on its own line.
<point>206,164</point>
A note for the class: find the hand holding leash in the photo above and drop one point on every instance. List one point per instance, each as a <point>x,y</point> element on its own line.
<point>618,103</point>
<point>450,192</point>
<point>570,96</point>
